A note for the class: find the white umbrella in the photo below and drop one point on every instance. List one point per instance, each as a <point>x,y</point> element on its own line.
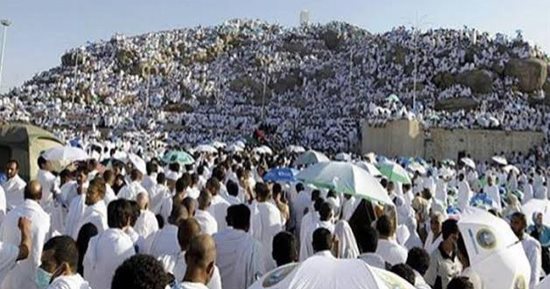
<point>544,284</point>
<point>345,178</point>
<point>536,205</point>
<point>371,157</point>
<point>500,160</point>
<point>345,157</point>
<point>234,149</point>
<point>510,168</point>
<point>295,149</point>
<point>263,150</point>
<point>311,157</point>
<point>495,252</point>
<point>469,162</point>
<point>138,163</point>
<point>206,149</point>
<point>218,144</point>
<point>370,168</point>
<point>416,167</point>
<point>319,272</point>
<point>240,144</point>
<point>65,154</point>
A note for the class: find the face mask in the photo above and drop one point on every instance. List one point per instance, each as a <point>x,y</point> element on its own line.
<point>42,278</point>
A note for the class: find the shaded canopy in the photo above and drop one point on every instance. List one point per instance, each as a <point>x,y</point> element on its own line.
<point>24,143</point>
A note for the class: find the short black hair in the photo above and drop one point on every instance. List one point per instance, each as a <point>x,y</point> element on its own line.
<point>151,167</point>
<point>419,260</point>
<point>460,282</point>
<point>239,216</point>
<point>15,162</point>
<point>119,213</point>
<point>368,241</point>
<point>161,178</point>
<point>41,161</point>
<point>262,190</point>
<point>404,271</point>
<point>140,272</point>
<point>449,227</point>
<point>322,240</point>
<point>136,212</point>
<point>325,211</point>
<point>299,187</point>
<point>65,251</point>
<point>285,248</point>
<point>232,188</point>
<point>315,194</point>
<point>84,235</point>
<point>318,203</point>
<point>384,226</point>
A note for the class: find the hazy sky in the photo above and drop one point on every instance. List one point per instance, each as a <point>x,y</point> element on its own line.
<point>43,30</point>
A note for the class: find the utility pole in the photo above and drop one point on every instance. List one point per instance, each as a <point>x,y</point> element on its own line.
<point>5,23</point>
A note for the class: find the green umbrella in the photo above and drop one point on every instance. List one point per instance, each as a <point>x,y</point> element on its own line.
<point>180,157</point>
<point>394,172</point>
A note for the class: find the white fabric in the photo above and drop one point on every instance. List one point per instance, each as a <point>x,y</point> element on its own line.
<point>76,211</point>
<point>14,189</point>
<point>464,195</point>
<point>163,242</point>
<point>347,245</point>
<point>95,214</point>
<point>207,222</point>
<point>8,257</point>
<point>192,285</point>
<point>532,250</point>
<point>240,258</point>
<point>494,193</point>
<point>474,278</point>
<point>47,181</point>
<point>176,265</point>
<point>431,245</point>
<point>218,210</point>
<point>109,194</point>
<point>374,260</point>
<point>306,246</point>
<point>131,191</point>
<point>69,282</point>
<point>3,205</point>
<point>392,252</point>
<point>265,223</point>
<point>303,200</point>
<point>105,253</point>
<point>23,275</point>
<point>146,224</point>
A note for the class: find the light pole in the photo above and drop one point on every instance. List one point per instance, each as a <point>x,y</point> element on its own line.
<point>5,23</point>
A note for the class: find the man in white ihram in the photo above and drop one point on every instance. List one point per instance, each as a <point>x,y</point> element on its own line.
<point>131,190</point>
<point>14,186</point>
<point>241,258</point>
<point>265,219</point>
<point>23,275</point>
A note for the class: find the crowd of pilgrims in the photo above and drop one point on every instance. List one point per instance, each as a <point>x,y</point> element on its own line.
<point>105,223</point>
<point>218,74</point>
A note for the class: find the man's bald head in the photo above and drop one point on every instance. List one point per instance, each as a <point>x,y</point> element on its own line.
<point>187,230</point>
<point>142,200</point>
<point>191,205</point>
<point>201,253</point>
<point>205,198</point>
<point>33,191</point>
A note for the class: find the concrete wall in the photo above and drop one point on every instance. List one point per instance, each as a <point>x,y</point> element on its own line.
<point>407,138</point>
<point>397,138</point>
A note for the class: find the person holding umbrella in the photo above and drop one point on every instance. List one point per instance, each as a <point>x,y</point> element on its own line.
<point>444,263</point>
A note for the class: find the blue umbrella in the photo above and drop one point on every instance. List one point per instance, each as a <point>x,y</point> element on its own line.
<point>281,175</point>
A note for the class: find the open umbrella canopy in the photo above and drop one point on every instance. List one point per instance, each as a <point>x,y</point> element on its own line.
<point>180,157</point>
<point>345,178</point>
<point>392,98</point>
<point>336,273</point>
<point>240,143</point>
<point>511,168</point>
<point>66,153</point>
<point>138,163</point>
<point>417,167</point>
<point>535,205</point>
<point>234,149</point>
<point>218,144</point>
<point>295,149</point>
<point>344,157</point>
<point>394,172</point>
<point>499,160</point>
<point>495,252</point>
<point>311,157</point>
<point>370,168</point>
<point>265,150</point>
<point>448,162</point>
<point>468,162</point>
<point>206,149</point>
<point>281,175</point>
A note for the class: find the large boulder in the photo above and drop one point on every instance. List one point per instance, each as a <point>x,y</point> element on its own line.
<point>454,104</point>
<point>332,39</point>
<point>444,80</point>
<point>479,80</point>
<point>531,73</point>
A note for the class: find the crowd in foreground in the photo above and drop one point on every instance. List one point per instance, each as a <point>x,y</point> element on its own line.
<point>114,222</point>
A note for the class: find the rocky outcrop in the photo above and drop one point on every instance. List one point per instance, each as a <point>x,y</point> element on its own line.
<point>531,73</point>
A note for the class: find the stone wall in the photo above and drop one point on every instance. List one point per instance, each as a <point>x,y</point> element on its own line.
<point>407,138</point>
